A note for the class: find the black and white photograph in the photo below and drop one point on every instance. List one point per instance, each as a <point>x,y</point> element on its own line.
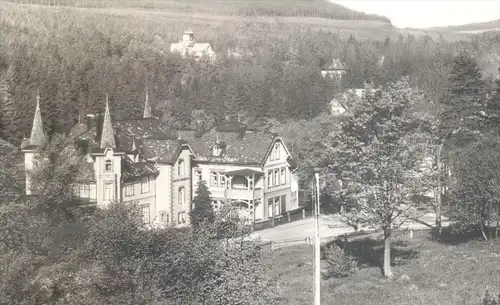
<point>249,152</point>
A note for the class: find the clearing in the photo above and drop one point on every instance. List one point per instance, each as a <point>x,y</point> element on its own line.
<point>439,273</point>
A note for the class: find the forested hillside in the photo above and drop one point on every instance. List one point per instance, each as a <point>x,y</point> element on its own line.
<point>294,8</point>
<point>75,56</point>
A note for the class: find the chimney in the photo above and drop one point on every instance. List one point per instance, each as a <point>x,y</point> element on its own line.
<point>243,130</point>
<point>90,121</point>
<point>200,128</point>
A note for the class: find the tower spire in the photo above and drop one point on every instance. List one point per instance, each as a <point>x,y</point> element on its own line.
<point>37,137</point>
<point>107,135</point>
<point>134,148</point>
<point>147,107</point>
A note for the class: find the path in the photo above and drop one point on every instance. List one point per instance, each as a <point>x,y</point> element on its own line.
<point>330,226</point>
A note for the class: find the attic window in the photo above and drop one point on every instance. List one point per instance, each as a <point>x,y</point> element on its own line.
<point>108,167</point>
<point>216,150</point>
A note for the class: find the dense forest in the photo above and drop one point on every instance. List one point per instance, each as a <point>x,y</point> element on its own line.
<point>300,8</point>
<point>76,56</point>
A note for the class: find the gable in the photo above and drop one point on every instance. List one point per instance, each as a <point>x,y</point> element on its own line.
<point>277,151</point>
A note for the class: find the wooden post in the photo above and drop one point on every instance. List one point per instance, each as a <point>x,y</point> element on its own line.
<point>272,246</point>
<point>303,213</point>
<point>288,215</point>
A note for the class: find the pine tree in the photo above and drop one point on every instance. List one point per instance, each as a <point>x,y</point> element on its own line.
<point>493,107</point>
<point>8,106</point>
<point>466,96</point>
<point>203,210</point>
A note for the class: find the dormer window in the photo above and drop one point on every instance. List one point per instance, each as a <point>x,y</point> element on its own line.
<point>180,168</point>
<point>108,166</point>
<point>276,151</point>
<point>216,150</point>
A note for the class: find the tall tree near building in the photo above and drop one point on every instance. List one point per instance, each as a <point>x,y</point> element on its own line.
<point>202,210</point>
<point>378,155</point>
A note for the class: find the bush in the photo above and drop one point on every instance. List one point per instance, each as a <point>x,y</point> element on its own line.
<point>340,264</point>
<point>489,299</point>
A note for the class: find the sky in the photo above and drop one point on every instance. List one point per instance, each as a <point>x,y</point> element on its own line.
<point>428,13</point>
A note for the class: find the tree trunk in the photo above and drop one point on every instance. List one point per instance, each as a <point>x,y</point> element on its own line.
<point>439,192</point>
<point>387,271</point>
<point>483,231</point>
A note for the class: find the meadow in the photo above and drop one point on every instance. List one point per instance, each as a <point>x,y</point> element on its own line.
<point>426,272</point>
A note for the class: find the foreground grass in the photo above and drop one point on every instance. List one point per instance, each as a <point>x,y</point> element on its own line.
<point>438,274</point>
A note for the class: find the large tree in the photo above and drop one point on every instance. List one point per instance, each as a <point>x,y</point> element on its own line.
<point>378,155</point>
<point>203,210</point>
<point>476,187</point>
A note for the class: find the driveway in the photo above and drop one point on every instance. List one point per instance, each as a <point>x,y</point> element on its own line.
<point>330,226</point>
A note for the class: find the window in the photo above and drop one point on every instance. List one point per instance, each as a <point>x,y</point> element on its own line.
<point>215,150</point>
<point>269,178</point>
<point>108,166</point>
<point>181,195</point>
<point>129,189</point>
<point>181,217</point>
<point>180,168</point>
<point>164,217</point>
<point>283,175</point>
<point>84,191</point>
<point>108,190</point>
<point>213,179</point>
<point>276,177</point>
<point>217,179</point>
<point>145,213</point>
<point>222,180</point>
<point>145,185</point>
<point>198,175</point>
<point>276,151</point>
<point>215,204</point>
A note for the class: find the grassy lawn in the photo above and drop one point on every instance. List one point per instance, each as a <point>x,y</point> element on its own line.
<point>438,274</point>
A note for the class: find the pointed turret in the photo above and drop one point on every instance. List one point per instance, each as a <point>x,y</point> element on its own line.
<point>37,137</point>
<point>147,107</point>
<point>134,148</point>
<point>107,135</point>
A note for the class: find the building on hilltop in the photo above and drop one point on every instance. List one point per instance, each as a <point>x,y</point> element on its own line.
<point>334,70</point>
<point>188,47</point>
<point>147,162</point>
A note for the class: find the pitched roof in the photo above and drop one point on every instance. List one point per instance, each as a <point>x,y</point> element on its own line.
<point>131,170</point>
<point>37,137</point>
<point>336,64</point>
<point>163,151</point>
<point>249,150</point>
<point>107,137</point>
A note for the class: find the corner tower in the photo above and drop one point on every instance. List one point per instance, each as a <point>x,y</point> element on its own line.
<point>30,147</point>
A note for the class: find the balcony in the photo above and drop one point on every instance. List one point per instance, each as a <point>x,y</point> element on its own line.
<point>240,184</point>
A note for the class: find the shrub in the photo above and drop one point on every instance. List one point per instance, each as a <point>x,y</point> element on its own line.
<point>489,299</point>
<point>340,264</point>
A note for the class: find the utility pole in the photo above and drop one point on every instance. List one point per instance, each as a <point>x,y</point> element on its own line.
<point>317,243</point>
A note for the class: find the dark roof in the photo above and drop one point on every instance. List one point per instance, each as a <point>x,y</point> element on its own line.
<point>335,64</point>
<point>77,130</point>
<point>229,126</point>
<point>127,131</point>
<point>86,173</point>
<point>131,170</point>
<point>162,151</point>
<point>160,143</point>
<point>249,150</point>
